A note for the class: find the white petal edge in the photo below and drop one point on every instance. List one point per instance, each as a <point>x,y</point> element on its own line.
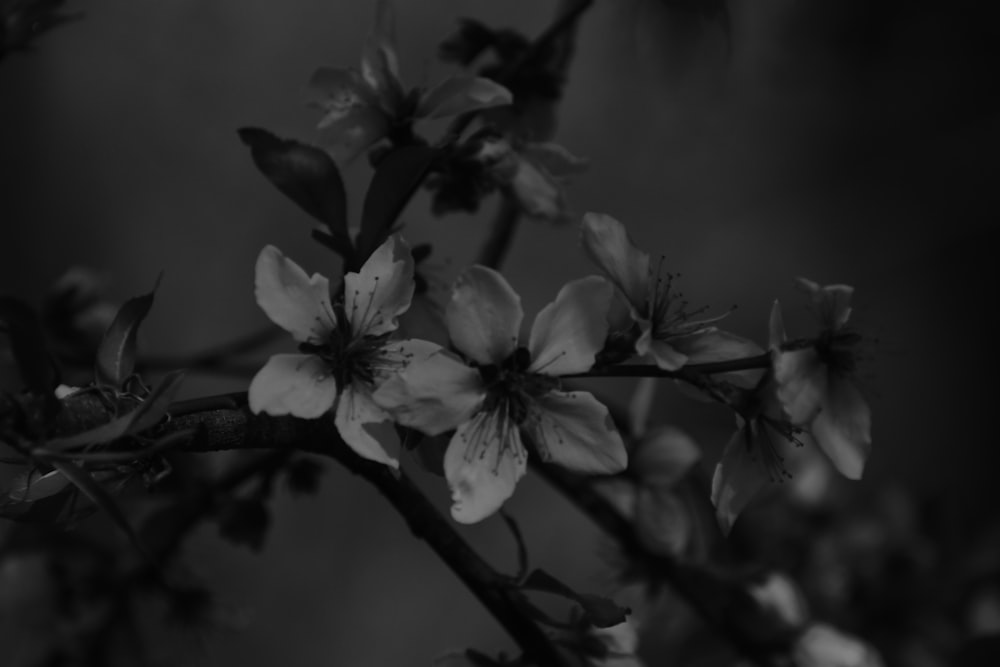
<point>570,331</point>
<point>434,392</point>
<point>575,431</point>
<point>842,429</point>
<point>608,244</point>
<point>360,420</point>
<point>375,296</point>
<point>484,461</point>
<point>296,302</point>
<point>801,379</point>
<point>293,384</point>
<point>484,315</point>
<point>738,479</point>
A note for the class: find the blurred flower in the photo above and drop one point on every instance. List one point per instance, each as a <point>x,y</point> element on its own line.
<point>509,390</point>
<point>824,646</point>
<point>616,646</point>
<point>780,598</point>
<point>666,328</point>
<point>361,107</point>
<point>814,383</point>
<point>345,345</point>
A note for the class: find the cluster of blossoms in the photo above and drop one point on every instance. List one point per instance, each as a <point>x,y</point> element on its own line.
<point>503,397</point>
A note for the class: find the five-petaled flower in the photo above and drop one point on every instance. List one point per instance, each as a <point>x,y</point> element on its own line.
<point>361,107</point>
<point>666,329</point>
<point>509,393</point>
<point>344,343</point>
<point>814,383</point>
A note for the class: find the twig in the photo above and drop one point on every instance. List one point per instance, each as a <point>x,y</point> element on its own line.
<point>501,233</point>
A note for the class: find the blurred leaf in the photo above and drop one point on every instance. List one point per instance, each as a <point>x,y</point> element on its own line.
<point>100,497</point>
<point>304,476</point>
<point>308,176</point>
<point>152,410</point>
<point>32,485</point>
<point>245,522</point>
<point>27,341</point>
<point>116,355</point>
<point>738,478</point>
<point>396,178</point>
<point>600,611</point>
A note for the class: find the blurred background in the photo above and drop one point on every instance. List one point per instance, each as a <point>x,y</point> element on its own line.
<point>848,141</point>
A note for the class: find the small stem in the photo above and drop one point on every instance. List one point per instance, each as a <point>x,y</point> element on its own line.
<point>501,233</point>
<point>762,361</point>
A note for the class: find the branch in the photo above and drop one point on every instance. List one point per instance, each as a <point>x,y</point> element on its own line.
<point>501,233</point>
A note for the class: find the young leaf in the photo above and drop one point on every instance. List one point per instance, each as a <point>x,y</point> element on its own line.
<point>307,176</point>
<point>600,611</point>
<point>27,342</point>
<point>152,410</point>
<point>397,177</point>
<point>116,355</point>
<point>100,497</point>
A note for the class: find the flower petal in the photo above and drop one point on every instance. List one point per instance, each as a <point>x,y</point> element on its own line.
<point>714,345</point>
<point>537,193</point>
<point>662,352</point>
<point>434,393</point>
<point>352,112</point>
<point>555,159</point>
<point>484,315</point>
<point>832,302</point>
<point>460,94</point>
<point>842,428</point>
<point>801,379</point>
<point>775,328</point>
<point>381,291</point>
<point>379,62</point>
<point>484,461</point>
<point>357,413</point>
<point>297,303</point>
<point>575,430</point>
<point>293,384</point>
<point>570,331</point>
<point>609,246</point>
<point>662,523</point>
<point>664,455</point>
<point>737,480</point>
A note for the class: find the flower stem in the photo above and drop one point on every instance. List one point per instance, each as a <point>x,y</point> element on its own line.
<point>501,233</point>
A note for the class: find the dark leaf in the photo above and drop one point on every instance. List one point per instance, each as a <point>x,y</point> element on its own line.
<point>303,476</point>
<point>116,355</point>
<point>38,370</point>
<point>245,522</point>
<point>396,178</point>
<point>307,176</point>
<point>600,611</point>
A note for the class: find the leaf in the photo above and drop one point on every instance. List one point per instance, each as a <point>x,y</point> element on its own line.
<point>600,611</point>
<point>30,486</point>
<point>116,354</point>
<point>27,341</point>
<point>305,174</point>
<point>100,497</point>
<point>461,94</point>
<point>396,178</point>
<point>245,522</point>
<point>152,410</point>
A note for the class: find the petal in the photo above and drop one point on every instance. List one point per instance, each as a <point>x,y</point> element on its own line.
<point>460,94</point>
<point>842,428</point>
<point>609,246</point>
<point>484,315</point>
<point>640,406</point>
<point>832,302</point>
<point>381,291</point>
<point>714,345</point>
<point>555,159</point>
<point>356,414</point>
<point>664,456</point>
<point>297,303</point>
<point>662,523</point>
<point>575,430</point>
<point>352,112</point>
<point>571,330</point>
<point>434,393</point>
<point>801,379</point>
<point>737,480</point>
<point>776,328</point>
<point>379,62</point>
<point>664,354</point>
<point>293,384</point>
<point>484,461</point>
<point>538,194</point>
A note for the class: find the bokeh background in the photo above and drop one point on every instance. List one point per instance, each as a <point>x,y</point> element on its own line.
<point>842,140</point>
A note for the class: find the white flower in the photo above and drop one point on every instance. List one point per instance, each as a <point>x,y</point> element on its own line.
<point>345,346</point>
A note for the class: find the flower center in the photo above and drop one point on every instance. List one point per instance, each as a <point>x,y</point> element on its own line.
<point>511,389</point>
<point>837,349</point>
<point>352,359</point>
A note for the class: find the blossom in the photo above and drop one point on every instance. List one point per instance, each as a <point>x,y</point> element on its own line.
<point>666,330</point>
<point>822,645</point>
<point>361,107</point>
<point>814,383</point>
<point>616,646</point>
<point>344,344</point>
<point>509,393</point>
